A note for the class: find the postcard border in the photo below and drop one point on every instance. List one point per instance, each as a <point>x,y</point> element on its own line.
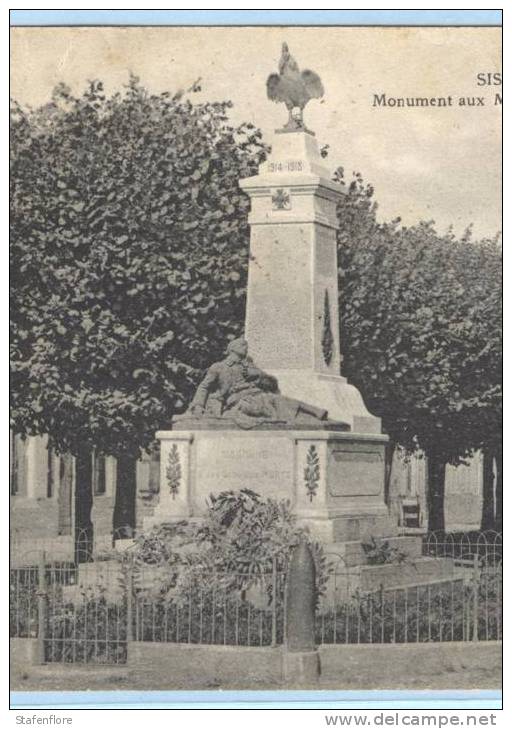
<point>153,700</point>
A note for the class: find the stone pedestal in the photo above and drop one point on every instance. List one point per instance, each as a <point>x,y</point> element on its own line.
<point>292,296</point>
<point>334,481</point>
<point>301,669</point>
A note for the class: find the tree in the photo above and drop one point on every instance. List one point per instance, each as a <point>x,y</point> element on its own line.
<point>129,261</point>
<point>129,248</point>
<point>128,258</point>
<point>418,334</point>
<point>480,270</point>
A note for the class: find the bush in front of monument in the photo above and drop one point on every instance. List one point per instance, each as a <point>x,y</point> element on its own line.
<point>221,580</point>
<point>240,533</point>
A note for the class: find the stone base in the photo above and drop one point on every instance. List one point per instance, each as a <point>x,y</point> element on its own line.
<point>426,570</point>
<point>334,481</point>
<point>345,581</point>
<point>352,553</point>
<point>205,422</point>
<point>353,527</point>
<point>25,552</point>
<point>24,652</point>
<point>301,668</point>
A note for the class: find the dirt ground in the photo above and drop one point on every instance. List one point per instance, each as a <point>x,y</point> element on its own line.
<point>88,678</point>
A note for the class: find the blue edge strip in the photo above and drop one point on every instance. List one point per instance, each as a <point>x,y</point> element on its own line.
<point>328,700</point>
<point>256,17</point>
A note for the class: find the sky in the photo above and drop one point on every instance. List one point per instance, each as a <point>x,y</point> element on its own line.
<point>435,163</point>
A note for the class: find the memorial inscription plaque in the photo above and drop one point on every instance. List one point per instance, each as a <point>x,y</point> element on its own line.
<point>244,462</point>
<point>355,472</point>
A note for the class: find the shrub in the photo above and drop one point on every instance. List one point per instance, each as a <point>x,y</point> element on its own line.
<point>382,552</point>
<point>240,535</point>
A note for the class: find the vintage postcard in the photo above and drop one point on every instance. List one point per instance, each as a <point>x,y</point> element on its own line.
<point>256,353</point>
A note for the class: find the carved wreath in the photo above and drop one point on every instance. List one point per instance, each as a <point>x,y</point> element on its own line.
<point>173,471</point>
<point>327,337</point>
<point>312,472</point>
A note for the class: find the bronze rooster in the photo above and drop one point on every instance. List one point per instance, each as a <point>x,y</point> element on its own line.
<point>294,88</point>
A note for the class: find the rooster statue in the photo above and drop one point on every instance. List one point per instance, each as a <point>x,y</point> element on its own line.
<point>294,88</point>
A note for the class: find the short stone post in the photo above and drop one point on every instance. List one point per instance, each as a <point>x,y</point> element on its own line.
<point>301,658</point>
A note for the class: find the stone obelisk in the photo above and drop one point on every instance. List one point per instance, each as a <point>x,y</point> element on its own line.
<point>292,298</point>
<point>332,477</point>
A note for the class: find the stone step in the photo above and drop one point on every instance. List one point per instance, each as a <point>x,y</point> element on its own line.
<point>416,572</point>
<point>363,526</point>
<point>28,553</point>
<point>94,579</point>
<point>107,578</point>
<point>347,580</point>
<point>353,554</point>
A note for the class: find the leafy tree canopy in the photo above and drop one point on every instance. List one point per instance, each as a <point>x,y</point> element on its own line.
<point>421,329</point>
<point>129,247</point>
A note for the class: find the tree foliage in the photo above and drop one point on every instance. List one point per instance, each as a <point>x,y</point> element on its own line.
<point>421,333</point>
<point>129,251</point>
<point>129,247</point>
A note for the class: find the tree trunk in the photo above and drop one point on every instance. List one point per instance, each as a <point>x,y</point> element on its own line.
<point>499,489</point>
<point>83,506</point>
<point>436,470</point>
<point>124,509</point>
<point>388,468</point>
<point>65,493</point>
<point>488,503</point>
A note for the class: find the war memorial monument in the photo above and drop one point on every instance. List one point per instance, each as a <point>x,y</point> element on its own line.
<point>191,592</point>
<point>275,416</point>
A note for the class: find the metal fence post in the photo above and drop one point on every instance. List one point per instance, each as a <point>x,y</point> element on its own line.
<point>382,615</point>
<point>475,596</point>
<point>41,608</point>
<point>129,602</point>
<point>273,642</point>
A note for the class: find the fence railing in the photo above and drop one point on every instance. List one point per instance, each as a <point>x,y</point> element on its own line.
<point>488,546</point>
<point>220,608</point>
<point>87,611</point>
<point>447,610</point>
<point>23,602</point>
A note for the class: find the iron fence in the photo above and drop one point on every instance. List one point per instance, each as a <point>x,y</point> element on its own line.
<point>87,610</point>
<point>454,609</point>
<point>75,609</point>
<point>463,546</point>
<point>85,615</point>
<point>218,608</point>
<point>23,587</point>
